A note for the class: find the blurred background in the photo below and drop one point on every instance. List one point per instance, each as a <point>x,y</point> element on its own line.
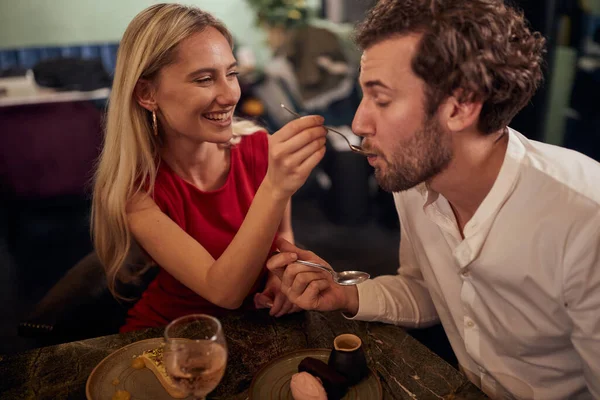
<point>56,65</point>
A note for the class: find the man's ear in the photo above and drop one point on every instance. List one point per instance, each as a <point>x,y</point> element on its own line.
<point>459,115</point>
<point>144,94</point>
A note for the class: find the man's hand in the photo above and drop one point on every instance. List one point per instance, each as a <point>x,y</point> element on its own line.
<point>272,298</point>
<point>307,287</point>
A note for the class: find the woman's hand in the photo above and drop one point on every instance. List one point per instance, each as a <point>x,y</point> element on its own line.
<point>272,298</point>
<point>294,151</point>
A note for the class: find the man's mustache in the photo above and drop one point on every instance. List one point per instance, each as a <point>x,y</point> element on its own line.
<point>369,149</point>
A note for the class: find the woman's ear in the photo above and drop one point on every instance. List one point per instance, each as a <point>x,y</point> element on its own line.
<point>144,94</point>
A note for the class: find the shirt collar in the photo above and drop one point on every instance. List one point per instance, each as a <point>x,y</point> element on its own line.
<point>503,186</point>
<point>505,181</point>
<point>429,195</point>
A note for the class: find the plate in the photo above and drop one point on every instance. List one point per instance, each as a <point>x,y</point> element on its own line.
<point>272,382</point>
<point>142,384</point>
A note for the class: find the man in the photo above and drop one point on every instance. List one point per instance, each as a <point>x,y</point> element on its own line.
<point>500,235</point>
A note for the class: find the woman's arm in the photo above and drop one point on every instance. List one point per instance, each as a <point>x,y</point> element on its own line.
<point>271,297</point>
<point>226,281</point>
<point>293,152</point>
<point>285,229</point>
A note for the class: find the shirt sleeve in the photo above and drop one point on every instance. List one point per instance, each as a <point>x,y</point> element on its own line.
<point>582,299</point>
<point>162,200</point>
<point>166,198</point>
<point>401,299</point>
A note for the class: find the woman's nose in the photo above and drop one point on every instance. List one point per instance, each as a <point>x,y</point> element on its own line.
<point>229,93</point>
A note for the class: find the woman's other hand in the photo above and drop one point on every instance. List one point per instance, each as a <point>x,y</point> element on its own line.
<point>271,297</point>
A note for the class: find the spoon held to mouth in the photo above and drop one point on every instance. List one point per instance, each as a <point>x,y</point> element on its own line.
<point>356,149</point>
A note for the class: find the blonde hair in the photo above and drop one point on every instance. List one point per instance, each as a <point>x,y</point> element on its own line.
<point>128,162</point>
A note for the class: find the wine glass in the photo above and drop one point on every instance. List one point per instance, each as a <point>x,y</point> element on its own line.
<point>195,354</point>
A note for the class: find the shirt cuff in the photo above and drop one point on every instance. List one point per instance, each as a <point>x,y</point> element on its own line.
<point>369,308</point>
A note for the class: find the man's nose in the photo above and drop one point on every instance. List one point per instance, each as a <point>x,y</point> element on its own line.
<point>361,124</point>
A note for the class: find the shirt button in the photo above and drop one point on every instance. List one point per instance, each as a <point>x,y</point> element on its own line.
<point>465,272</point>
<point>470,324</point>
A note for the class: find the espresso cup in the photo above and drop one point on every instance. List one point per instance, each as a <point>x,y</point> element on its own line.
<point>348,358</point>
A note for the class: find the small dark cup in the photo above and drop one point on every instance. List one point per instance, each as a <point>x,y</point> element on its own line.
<point>348,358</point>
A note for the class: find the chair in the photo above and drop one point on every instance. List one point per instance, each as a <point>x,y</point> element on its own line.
<point>80,306</point>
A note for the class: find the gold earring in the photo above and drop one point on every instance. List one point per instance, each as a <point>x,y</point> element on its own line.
<point>154,123</point>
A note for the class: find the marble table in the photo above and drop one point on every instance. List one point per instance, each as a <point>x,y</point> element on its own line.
<point>406,369</point>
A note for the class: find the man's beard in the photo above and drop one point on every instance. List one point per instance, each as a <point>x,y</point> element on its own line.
<point>417,160</point>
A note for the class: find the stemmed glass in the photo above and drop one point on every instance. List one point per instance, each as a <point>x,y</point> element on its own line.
<point>195,354</point>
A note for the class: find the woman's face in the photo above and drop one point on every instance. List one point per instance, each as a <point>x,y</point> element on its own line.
<point>196,95</point>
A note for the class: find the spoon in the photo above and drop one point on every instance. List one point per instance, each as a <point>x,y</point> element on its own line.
<point>344,278</point>
<point>356,149</point>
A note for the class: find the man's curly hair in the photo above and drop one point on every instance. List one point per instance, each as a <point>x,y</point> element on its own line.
<point>479,50</point>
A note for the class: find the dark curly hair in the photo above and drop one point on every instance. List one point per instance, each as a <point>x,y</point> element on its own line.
<point>480,50</point>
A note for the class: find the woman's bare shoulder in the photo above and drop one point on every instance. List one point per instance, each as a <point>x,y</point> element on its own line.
<point>140,202</point>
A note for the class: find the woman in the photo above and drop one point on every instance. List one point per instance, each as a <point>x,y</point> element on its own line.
<point>202,195</point>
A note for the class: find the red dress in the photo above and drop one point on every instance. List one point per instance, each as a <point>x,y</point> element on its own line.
<point>212,218</point>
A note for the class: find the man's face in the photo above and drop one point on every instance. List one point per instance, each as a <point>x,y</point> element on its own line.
<point>409,146</point>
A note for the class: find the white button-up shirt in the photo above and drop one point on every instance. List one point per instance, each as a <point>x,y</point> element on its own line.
<point>519,296</point>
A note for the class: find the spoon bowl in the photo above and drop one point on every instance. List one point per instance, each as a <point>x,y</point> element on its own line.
<point>347,278</point>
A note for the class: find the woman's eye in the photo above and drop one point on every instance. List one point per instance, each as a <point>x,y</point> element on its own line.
<point>233,73</point>
<point>382,104</point>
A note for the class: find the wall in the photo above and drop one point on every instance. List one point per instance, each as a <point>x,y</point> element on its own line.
<point>560,87</point>
<point>62,22</point>
<point>594,6</point>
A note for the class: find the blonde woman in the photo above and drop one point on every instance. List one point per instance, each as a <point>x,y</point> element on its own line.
<point>203,195</point>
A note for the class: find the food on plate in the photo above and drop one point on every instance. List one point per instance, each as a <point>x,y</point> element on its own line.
<point>121,395</point>
<point>115,381</point>
<point>335,384</point>
<point>304,386</point>
<point>153,359</point>
<point>138,363</point>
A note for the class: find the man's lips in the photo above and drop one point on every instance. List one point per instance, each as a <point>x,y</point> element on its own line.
<point>370,151</point>
<point>372,159</point>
